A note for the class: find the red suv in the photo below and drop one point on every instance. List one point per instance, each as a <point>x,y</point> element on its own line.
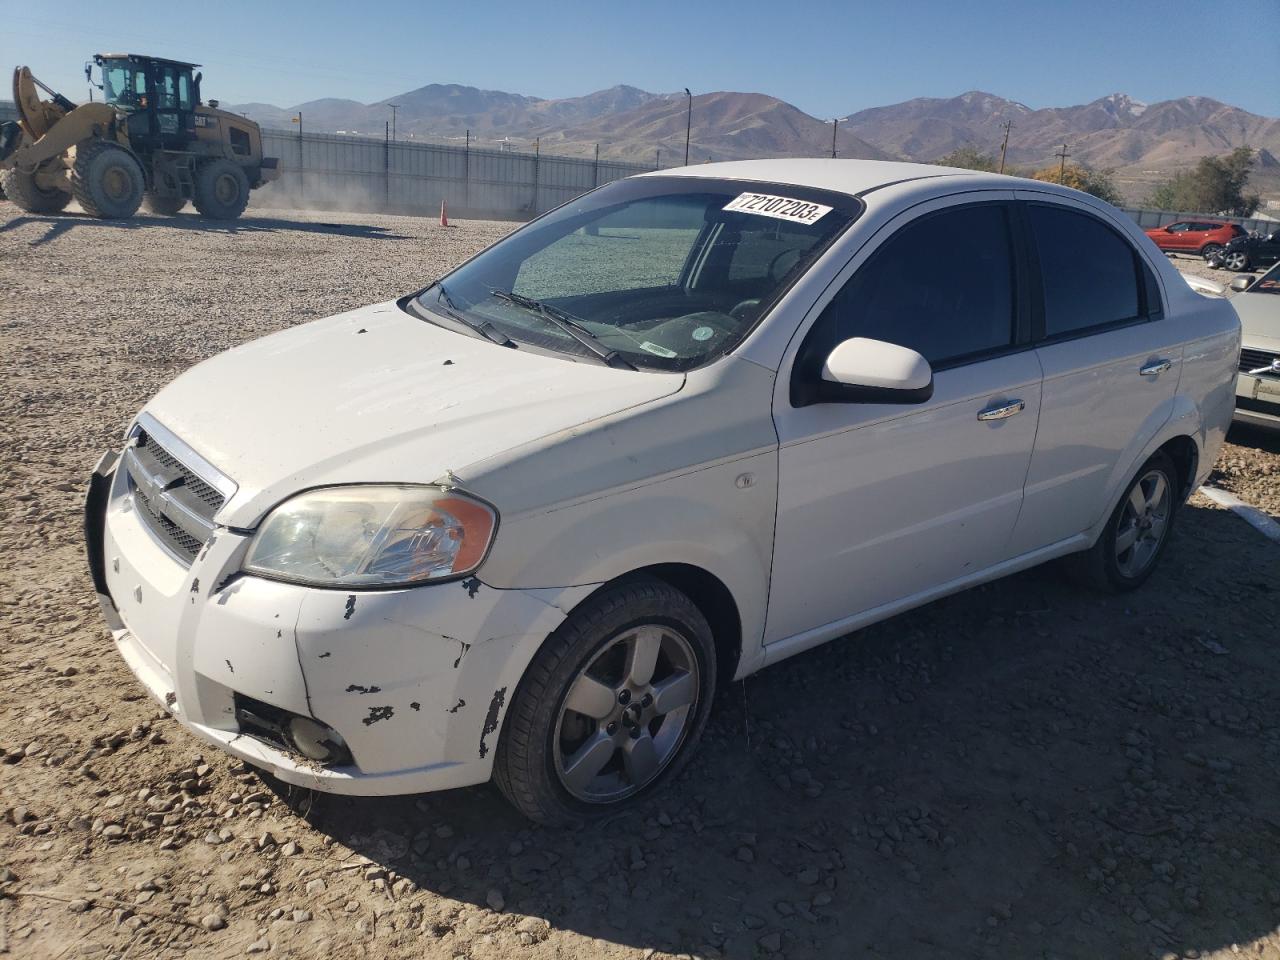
<point>1201,237</point>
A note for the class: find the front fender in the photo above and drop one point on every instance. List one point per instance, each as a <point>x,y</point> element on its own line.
<point>719,519</point>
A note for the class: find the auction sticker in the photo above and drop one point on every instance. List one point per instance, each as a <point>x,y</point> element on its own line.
<point>781,208</point>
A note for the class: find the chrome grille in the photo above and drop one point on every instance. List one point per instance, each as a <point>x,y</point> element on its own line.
<point>175,504</point>
<point>1257,360</point>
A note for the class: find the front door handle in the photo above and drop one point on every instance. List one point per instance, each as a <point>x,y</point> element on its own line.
<point>1155,368</point>
<point>1002,411</point>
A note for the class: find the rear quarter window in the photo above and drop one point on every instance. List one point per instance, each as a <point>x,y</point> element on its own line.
<point>1090,275</point>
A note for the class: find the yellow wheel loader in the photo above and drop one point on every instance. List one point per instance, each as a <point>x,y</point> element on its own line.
<point>151,139</point>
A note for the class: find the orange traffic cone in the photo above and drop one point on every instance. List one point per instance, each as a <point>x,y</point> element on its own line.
<point>444,214</point>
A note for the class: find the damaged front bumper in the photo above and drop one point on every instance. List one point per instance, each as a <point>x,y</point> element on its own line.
<point>414,681</point>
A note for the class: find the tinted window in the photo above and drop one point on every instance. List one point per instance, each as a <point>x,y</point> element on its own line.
<point>945,307</point>
<point>1088,271</point>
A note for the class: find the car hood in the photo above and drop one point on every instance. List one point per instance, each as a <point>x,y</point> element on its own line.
<point>377,395</point>
<point>1259,319</point>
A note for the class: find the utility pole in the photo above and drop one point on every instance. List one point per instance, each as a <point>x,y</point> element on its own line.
<point>301,177</point>
<point>1062,166</point>
<point>657,159</point>
<point>393,107</point>
<point>1004,147</point>
<point>466,173</point>
<point>595,169</point>
<point>688,125</point>
<point>835,125</point>
<point>537,155</point>
<point>386,165</point>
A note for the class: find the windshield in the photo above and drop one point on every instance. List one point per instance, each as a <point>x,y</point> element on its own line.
<point>1269,282</point>
<point>663,272</point>
<point>123,83</point>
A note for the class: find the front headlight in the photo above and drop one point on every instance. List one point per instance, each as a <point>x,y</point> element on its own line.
<point>372,536</point>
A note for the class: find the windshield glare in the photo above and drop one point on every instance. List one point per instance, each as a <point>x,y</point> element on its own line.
<point>653,268</point>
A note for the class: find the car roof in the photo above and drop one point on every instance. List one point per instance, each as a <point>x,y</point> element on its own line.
<point>853,177</point>
<point>143,56</point>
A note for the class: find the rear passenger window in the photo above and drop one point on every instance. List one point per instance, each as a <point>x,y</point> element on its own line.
<point>947,307</point>
<point>1089,273</point>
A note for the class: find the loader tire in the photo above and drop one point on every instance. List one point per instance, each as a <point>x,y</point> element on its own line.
<point>221,189</point>
<point>165,206</point>
<point>107,181</point>
<point>23,190</point>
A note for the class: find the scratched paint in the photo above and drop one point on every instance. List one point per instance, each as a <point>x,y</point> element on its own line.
<point>491,718</point>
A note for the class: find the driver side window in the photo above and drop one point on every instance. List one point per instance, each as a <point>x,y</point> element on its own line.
<point>943,285</point>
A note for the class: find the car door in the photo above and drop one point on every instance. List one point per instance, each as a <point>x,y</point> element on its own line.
<point>1176,238</point>
<point>1110,364</point>
<point>880,502</point>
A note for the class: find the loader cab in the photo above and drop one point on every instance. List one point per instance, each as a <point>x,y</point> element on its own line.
<point>159,96</point>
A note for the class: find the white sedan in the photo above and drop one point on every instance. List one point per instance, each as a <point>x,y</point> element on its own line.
<point>519,525</point>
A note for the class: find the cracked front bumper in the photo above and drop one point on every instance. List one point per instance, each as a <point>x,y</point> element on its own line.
<point>410,679</point>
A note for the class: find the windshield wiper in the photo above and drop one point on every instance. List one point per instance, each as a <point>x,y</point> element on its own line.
<point>486,329</point>
<point>570,325</point>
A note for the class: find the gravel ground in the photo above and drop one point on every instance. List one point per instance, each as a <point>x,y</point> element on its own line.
<point>1024,770</point>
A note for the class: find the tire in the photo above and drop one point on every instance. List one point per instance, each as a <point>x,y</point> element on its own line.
<point>165,206</point>
<point>1209,249</point>
<point>1105,566</point>
<point>28,195</point>
<point>221,189</point>
<point>107,180</point>
<point>635,747</point>
<point>1236,260</point>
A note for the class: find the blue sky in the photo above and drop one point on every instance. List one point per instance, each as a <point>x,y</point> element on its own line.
<point>828,58</point>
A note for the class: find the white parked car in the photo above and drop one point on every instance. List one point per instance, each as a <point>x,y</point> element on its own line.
<point>519,524</point>
<point>1258,384</point>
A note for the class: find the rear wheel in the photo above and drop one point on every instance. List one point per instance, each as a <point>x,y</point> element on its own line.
<point>1137,532</point>
<point>106,180</point>
<point>610,707</point>
<point>221,189</point>
<point>23,190</point>
<point>1210,249</point>
<point>164,205</point>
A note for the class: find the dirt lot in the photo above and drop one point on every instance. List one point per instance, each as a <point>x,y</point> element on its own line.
<point>1021,771</point>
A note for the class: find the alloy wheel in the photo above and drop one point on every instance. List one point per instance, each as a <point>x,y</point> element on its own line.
<point>1236,260</point>
<point>626,714</point>
<point>1143,523</point>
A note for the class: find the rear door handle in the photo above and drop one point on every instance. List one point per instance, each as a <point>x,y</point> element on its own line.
<point>1002,411</point>
<point>1155,368</point>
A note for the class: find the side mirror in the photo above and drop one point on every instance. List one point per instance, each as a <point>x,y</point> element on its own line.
<point>861,370</point>
<point>1242,283</point>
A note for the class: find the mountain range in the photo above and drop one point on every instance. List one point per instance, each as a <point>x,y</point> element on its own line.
<point>1142,143</point>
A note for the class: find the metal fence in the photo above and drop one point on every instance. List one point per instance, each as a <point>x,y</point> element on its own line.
<point>333,171</point>
<point>336,171</point>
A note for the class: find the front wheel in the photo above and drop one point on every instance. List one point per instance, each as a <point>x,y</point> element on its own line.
<point>107,180</point>
<point>1137,532</point>
<point>610,707</point>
